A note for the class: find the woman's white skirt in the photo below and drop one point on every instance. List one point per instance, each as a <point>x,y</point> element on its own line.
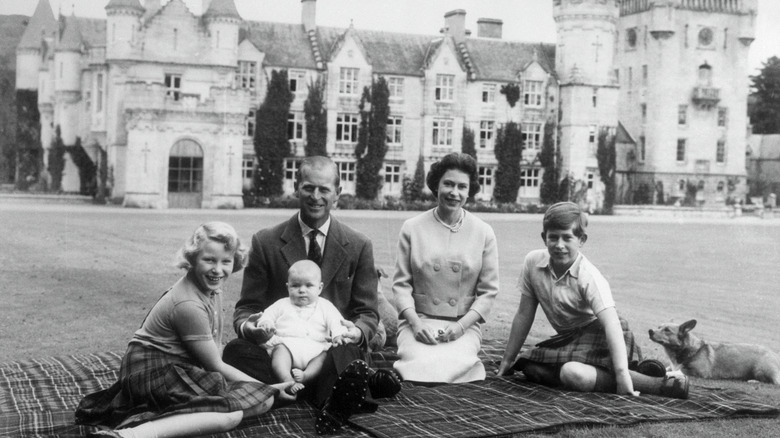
<point>445,362</point>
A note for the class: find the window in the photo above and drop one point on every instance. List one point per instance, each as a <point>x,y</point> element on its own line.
<point>396,88</point>
<point>348,81</point>
<point>529,177</point>
<point>595,97</point>
<point>393,177</point>
<point>631,38</point>
<point>394,130</point>
<point>532,136</point>
<point>485,175</point>
<point>723,114</point>
<point>87,100</point>
<point>682,115</point>
<point>173,86</point>
<point>175,39</point>
<point>445,87</point>
<point>248,167</point>
<point>592,134</point>
<point>488,93</point>
<point>680,149</point>
<point>532,93</point>
<point>346,128</point>
<point>644,75</point>
<point>99,92</point>
<point>644,112</point>
<point>251,119</point>
<point>290,169</point>
<point>589,177</point>
<point>442,132</point>
<point>721,186</point>
<point>630,77</point>
<point>295,121</point>
<point>720,152</point>
<point>296,79</point>
<point>246,75</point>
<point>347,170</point>
<point>642,148</point>
<point>486,130</point>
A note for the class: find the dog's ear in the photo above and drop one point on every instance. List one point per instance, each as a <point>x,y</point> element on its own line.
<point>687,326</point>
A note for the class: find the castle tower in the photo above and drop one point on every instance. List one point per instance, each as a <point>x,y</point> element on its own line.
<point>584,64</point>
<point>42,25</point>
<point>684,74</point>
<point>67,80</point>
<point>122,27</point>
<point>223,22</point>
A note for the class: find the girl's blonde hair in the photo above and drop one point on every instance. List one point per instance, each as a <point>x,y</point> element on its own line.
<point>220,232</point>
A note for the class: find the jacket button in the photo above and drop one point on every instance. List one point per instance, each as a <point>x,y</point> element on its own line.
<point>436,301</point>
<point>436,267</point>
<point>455,268</point>
<point>453,302</point>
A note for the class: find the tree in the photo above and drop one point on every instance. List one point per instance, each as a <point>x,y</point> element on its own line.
<point>56,160</point>
<point>467,145</point>
<point>548,192</point>
<point>512,93</point>
<point>509,150</point>
<point>372,139</point>
<point>414,187</point>
<point>606,157</point>
<point>28,138</point>
<point>316,119</point>
<point>765,111</point>
<point>271,142</point>
<point>7,125</point>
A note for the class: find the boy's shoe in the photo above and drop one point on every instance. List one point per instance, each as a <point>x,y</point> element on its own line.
<point>383,383</point>
<point>652,368</point>
<point>675,387</point>
<point>347,398</point>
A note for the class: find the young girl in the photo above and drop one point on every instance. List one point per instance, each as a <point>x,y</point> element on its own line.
<point>172,381</point>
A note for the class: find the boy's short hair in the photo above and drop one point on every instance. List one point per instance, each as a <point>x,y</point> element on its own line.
<point>563,215</point>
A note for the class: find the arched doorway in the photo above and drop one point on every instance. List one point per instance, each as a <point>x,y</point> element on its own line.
<point>185,175</point>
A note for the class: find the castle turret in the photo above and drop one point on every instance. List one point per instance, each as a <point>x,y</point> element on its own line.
<point>122,27</point>
<point>67,79</point>
<point>29,51</point>
<point>223,22</point>
<point>586,32</point>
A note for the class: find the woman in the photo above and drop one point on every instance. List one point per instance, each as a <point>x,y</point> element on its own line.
<point>446,279</point>
<point>172,381</point>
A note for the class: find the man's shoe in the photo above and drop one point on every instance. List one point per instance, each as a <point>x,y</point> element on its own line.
<point>383,383</point>
<point>652,368</point>
<point>675,387</point>
<point>347,398</point>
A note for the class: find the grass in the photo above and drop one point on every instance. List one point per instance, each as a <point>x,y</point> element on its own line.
<point>80,279</point>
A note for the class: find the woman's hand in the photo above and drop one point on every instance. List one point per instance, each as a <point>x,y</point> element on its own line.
<point>453,331</point>
<point>624,384</point>
<point>505,369</point>
<point>424,333</point>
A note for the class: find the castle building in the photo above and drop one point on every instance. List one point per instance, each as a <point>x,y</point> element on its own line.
<point>170,96</point>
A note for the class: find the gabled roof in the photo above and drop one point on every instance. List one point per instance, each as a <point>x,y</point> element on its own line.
<point>127,4</point>
<point>623,136</point>
<point>71,39</point>
<point>42,21</point>
<point>284,45</point>
<point>501,60</point>
<point>334,48</point>
<point>222,8</point>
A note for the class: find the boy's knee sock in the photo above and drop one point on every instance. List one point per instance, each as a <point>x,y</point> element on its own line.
<point>605,381</point>
<point>646,384</point>
<point>541,373</point>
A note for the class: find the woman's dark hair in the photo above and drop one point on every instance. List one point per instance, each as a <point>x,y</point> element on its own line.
<point>458,161</point>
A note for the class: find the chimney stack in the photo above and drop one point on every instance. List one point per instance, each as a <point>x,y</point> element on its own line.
<point>309,14</point>
<point>455,24</point>
<point>489,28</point>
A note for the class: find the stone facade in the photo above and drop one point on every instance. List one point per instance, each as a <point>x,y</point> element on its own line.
<point>171,96</point>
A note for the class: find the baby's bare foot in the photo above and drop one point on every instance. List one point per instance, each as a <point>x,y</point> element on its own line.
<point>295,388</point>
<point>298,375</point>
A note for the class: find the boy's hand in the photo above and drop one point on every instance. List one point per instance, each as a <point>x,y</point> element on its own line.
<point>624,384</point>
<point>505,369</point>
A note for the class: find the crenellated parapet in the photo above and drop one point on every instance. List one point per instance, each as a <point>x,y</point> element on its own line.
<point>740,7</point>
<point>154,96</point>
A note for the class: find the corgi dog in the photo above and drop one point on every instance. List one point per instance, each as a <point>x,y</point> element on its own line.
<point>715,360</point>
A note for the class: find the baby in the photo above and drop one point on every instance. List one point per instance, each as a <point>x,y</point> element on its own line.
<point>301,327</point>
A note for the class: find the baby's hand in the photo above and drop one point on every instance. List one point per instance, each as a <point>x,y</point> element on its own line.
<point>338,340</point>
<point>266,328</point>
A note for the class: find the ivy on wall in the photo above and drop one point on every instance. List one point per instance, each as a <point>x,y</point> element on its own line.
<point>372,139</point>
<point>271,142</point>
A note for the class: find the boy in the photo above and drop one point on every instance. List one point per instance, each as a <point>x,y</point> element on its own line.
<point>301,327</point>
<point>593,347</point>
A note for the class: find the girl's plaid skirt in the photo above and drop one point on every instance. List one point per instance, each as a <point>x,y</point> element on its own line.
<point>587,344</point>
<point>154,384</point>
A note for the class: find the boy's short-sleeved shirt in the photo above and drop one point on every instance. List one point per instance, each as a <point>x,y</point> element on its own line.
<point>571,301</point>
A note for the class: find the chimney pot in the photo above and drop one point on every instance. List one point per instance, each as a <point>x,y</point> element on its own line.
<point>489,28</point>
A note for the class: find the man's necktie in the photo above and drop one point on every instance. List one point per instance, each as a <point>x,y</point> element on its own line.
<point>315,252</point>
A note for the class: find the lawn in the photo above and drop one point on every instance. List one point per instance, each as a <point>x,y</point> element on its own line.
<point>79,279</point>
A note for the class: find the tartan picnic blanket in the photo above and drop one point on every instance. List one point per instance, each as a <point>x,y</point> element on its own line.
<point>38,398</point>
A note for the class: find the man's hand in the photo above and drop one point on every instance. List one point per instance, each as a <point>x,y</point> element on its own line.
<point>259,334</point>
<point>352,336</point>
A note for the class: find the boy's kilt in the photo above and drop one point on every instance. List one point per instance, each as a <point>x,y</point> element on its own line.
<point>587,344</point>
<point>154,384</point>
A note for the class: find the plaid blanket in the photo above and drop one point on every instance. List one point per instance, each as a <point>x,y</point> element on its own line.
<point>38,398</point>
